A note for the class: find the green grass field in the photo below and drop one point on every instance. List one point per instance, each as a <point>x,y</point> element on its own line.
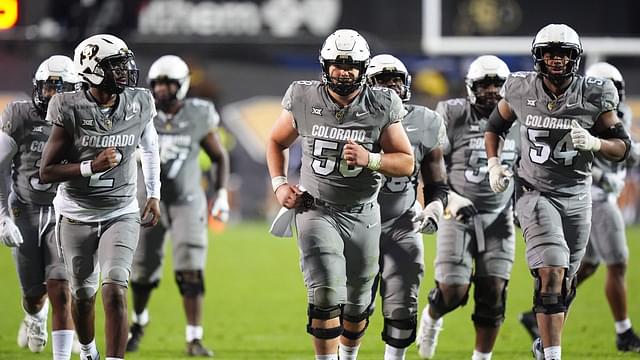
<point>256,308</point>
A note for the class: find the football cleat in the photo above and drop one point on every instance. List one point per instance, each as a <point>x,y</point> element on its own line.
<point>628,341</point>
<point>528,320</point>
<point>37,334</point>
<point>195,348</point>
<point>537,350</point>
<point>136,332</point>
<point>427,336</point>
<point>22,332</point>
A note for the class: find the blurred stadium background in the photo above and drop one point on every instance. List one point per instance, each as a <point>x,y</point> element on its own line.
<point>243,54</point>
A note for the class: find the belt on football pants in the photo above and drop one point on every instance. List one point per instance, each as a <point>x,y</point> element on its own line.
<point>355,209</point>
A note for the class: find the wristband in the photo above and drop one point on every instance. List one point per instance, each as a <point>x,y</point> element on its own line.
<point>277,181</point>
<point>85,168</point>
<point>375,161</point>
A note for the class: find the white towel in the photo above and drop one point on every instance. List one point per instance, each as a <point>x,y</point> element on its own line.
<point>281,226</point>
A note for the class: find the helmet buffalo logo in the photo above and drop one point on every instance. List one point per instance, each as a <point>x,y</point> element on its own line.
<point>88,53</point>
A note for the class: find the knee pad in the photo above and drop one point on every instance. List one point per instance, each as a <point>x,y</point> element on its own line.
<point>356,319</point>
<point>329,313</point>
<point>399,333</point>
<point>190,285</point>
<point>554,303</point>
<point>117,275</point>
<point>490,304</point>
<point>84,293</point>
<point>140,287</point>
<point>439,306</point>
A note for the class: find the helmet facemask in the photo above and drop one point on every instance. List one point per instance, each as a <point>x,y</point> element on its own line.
<point>486,92</point>
<point>164,99</point>
<point>395,80</point>
<point>557,61</point>
<point>43,91</point>
<point>118,71</point>
<point>346,85</point>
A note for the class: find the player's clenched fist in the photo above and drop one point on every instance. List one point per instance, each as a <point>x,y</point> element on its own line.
<point>289,196</point>
<point>355,154</point>
<point>107,159</point>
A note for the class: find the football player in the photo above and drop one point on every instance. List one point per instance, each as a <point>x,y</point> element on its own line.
<point>403,219</point>
<point>184,126</point>
<point>476,241</point>
<point>351,133</point>
<point>96,133</point>
<point>564,120</point>
<point>27,219</point>
<point>607,240</point>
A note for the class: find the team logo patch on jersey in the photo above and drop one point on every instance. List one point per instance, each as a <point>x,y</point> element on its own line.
<point>551,105</point>
<point>16,212</point>
<point>87,122</point>
<point>316,111</point>
<point>531,102</point>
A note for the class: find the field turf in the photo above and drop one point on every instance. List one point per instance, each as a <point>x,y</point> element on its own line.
<point>256,308</point>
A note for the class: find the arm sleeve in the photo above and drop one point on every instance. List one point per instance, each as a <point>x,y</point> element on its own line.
<point>8,149</point>
<point>150,160</point>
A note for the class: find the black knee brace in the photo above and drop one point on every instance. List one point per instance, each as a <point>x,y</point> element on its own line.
<point>490,304</point>
<point>190,286</point>
<point>140,287</point>
<point>332,312</point>
<point>399,333</point>
<point>356,319</point>
<point>439,306</point>
<point>553,303</point>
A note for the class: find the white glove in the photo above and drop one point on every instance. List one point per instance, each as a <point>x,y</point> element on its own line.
<point>426,221</point>
<point>581,138</point>
<point>499,177</point>
<point>220,209</point>
<point>9,233</point>
<point>460,207</point>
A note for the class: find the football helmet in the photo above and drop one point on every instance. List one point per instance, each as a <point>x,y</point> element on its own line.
<point>608,71</point>
<point>384,68</point>
<point>105,61</point>
<point>171,68</point>
<point>484,71</point>
<point>344,47</point>
<point>55,74</point>
<point>557,39</point>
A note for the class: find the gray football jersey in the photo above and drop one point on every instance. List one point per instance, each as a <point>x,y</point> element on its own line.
<point>398,194</point>
<point>466,157</point>
<point>179,139</point>
<point>92,132</point>
<point>324,129</point>
<point>30,131</point>
<point>548,162</point>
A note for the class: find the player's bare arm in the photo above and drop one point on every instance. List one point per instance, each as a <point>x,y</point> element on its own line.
<point>212,145</point>
<point>500,121</point>
<point>218,154</point>
<point>614,140</point>
<point>52,169</point>
<point>397,159</point>
<point>283,134</point>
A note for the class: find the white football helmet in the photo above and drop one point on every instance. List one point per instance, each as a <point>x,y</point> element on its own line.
<point>483,71</point>
<point>608,71</point>
<point>55,73</point>
<point>171,67</point>
<point>388,65</point>
<point>556,37</point>
<point>344,46</point>
<point>105,61</point>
